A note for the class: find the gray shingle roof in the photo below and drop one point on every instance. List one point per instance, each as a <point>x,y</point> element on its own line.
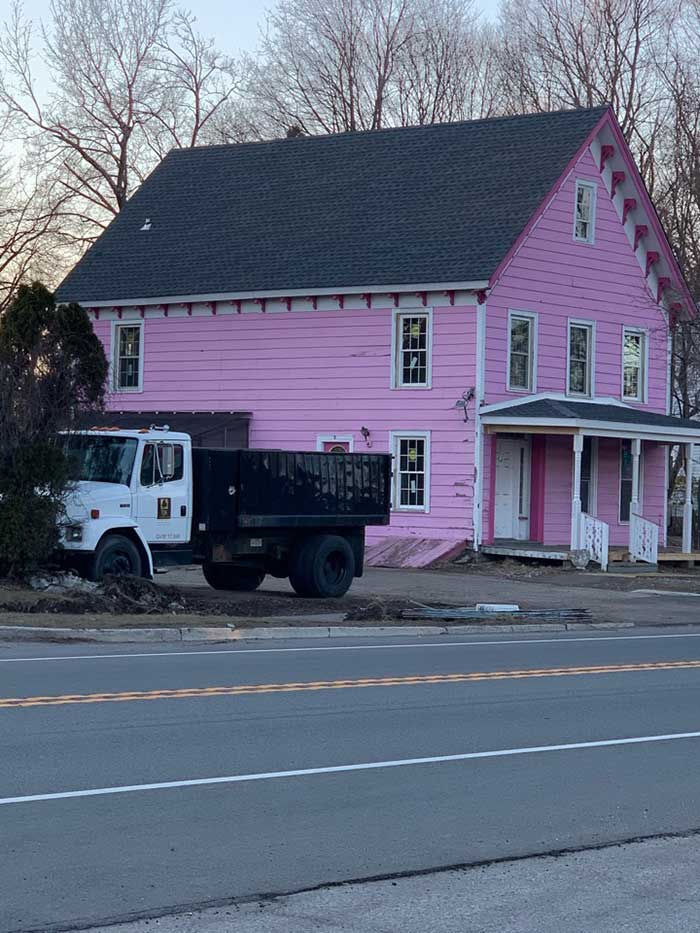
<point>561,410</point>
<point>416,205</point>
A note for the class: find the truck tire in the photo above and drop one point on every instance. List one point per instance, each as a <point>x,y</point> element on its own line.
<point>234,579</point>
<point>116,555</point>
<point>323,567</point>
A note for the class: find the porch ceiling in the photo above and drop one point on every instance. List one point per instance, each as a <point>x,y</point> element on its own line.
<point>551,415</point>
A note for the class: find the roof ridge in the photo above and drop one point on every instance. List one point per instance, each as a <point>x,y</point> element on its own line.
<point>385,130</point>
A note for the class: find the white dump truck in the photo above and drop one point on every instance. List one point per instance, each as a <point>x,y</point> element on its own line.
<point>143,499</point>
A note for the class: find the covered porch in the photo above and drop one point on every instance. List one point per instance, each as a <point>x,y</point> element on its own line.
<point>582,481</point>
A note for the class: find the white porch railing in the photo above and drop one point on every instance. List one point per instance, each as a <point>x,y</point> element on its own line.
<point>644,539</point>
<point>594,538</point>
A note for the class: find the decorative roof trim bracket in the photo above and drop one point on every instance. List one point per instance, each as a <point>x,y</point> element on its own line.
<point>616,179</point>
<point>661,286</point>
<point>628,205</point>
<point>606,152</point>
<point>641,230</point>
<point>652,258</point>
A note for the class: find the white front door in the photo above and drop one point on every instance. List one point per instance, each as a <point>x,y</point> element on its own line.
<point>512,515</point>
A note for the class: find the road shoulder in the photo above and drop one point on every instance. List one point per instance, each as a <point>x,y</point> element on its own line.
<point>636,887</point>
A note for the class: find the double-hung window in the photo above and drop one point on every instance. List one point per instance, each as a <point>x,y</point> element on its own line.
<point>521,352</point>
<point>411,471</point>
<point>634,353</point>
<point>584,212</point>
<point>412,350</point>
<point>127,342</point>
<point>580,370</point>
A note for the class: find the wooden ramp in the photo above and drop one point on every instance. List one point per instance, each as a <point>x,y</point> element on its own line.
<point>410,551</point>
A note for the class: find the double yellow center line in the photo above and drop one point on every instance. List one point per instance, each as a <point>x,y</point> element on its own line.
<point>189,693</point>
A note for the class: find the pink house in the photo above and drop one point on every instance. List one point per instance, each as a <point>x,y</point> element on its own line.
<point>490,301</point>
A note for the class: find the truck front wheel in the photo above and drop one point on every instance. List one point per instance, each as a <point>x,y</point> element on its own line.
<point>234,579</point>
<point>323,567</point>
<point>118,556</point>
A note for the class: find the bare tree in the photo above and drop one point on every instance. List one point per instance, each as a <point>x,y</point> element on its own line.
<point>130,79</point>
<point>447,70</point>
<point>582,53</point>
<point>29,228</point>
<point>196,83</point>
<point>331,66</point>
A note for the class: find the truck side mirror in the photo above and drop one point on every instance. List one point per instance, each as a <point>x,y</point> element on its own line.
<point>166,460</point>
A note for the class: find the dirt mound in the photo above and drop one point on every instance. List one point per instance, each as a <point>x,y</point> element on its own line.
<point>116,595</point>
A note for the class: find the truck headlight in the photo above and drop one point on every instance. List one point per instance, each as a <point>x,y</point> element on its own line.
<point>73,533</point>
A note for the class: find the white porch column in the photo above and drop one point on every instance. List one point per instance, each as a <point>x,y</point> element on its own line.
<point>688,506</point>
<point>636,453</point>
<point>576,495</point>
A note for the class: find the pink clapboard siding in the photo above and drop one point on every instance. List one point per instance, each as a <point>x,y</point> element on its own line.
<point>305,373</point>
<point>606,478</point>
<point>558,279</point>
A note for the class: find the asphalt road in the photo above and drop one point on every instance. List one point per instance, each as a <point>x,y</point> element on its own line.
<point>137,782</point>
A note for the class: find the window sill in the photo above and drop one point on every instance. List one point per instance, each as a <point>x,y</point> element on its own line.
<point>117,391</point>
<point>516,391</point>
<point>420,386</point>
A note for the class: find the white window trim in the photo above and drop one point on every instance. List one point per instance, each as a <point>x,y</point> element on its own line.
<point>584,183</point>
<point>395,369</point>
<point>113,368</point>
<point>394,438</point>
<point>580,322</point>
<point>645,364</point>
<point>322,439</point>
<point>532,316</point>
<point>619,479</point>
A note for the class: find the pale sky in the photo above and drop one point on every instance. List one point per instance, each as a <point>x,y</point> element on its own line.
<point>234,24</point>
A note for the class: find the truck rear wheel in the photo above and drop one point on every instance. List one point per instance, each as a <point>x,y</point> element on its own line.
<point>118,556</point>
<point>323,567</point>
<point>234,579</point>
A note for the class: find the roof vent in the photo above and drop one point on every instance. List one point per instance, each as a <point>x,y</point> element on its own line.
<point>146,224</point>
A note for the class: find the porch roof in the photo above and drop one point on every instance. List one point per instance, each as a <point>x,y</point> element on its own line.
<point>606,418</point>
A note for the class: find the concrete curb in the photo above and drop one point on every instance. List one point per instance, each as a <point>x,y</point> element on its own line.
<point>32,633</point>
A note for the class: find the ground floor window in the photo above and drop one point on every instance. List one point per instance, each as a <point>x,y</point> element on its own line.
<point>335,443</point>
<point>411,471</point>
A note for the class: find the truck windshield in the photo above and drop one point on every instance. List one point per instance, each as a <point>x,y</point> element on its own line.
<point>101,459</point>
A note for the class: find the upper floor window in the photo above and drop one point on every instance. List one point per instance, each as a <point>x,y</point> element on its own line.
<point>634,355</point>
<point>584,216</point>
<point>521,352</point>
<point>412,350</point>
<point>580,369</point>
<point>127,341</point>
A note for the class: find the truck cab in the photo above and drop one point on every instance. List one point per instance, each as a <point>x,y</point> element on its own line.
<point>130,502</point>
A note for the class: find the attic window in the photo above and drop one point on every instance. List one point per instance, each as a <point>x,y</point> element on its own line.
<point>584,212</point>
<point>146,224</point>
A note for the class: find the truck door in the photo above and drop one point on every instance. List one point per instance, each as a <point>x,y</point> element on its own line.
<point>162,503</point>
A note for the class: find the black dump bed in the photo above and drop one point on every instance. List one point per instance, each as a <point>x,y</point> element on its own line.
<point>282,489</point>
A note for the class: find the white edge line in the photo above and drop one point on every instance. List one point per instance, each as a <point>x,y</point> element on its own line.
<point>436,644</point>
<point>338,769</point>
